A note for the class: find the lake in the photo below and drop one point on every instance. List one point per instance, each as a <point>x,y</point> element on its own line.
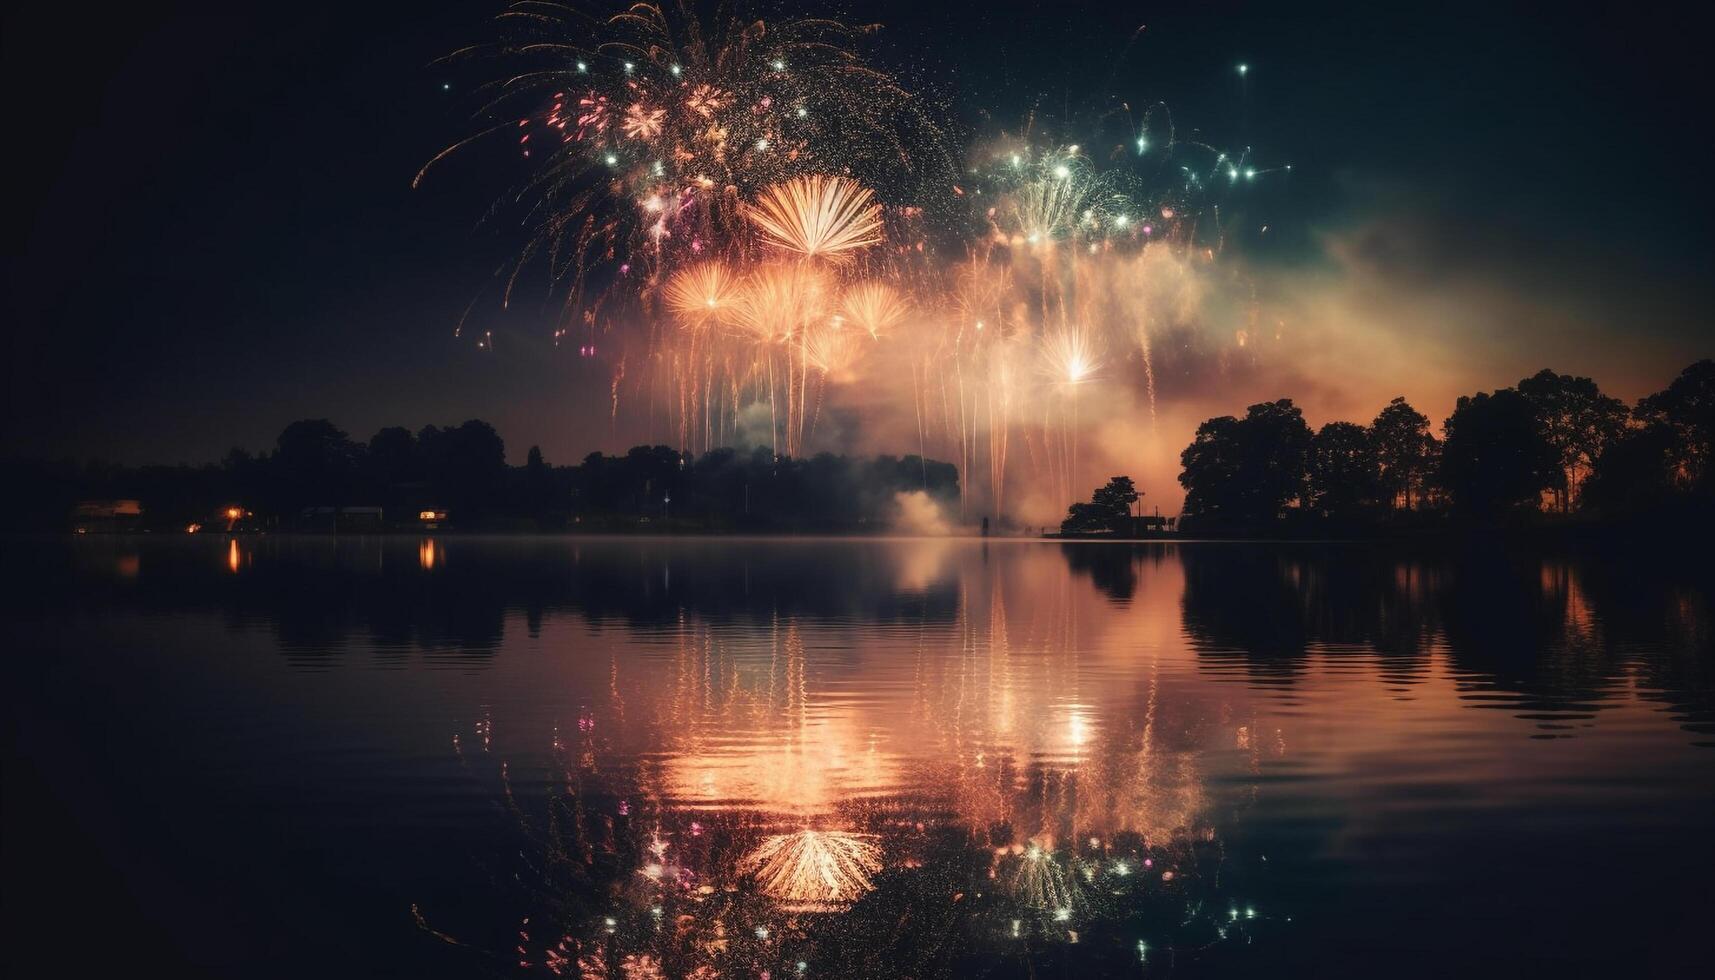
<point>462,756</point>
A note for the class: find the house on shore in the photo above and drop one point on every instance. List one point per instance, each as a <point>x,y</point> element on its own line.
<point>106,516</point>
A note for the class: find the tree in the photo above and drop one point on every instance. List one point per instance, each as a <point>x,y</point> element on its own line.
<point>1345,473</point>
<point>393,458</point>
<point>1404,448</point>
<point>1211,470</point>
<point>1496,458</point>
<point>1687,409</point>
<point>315,462</point>
<point>1637,473</point>
<point>465,464</point>
<point>538,495</point>
<point>1578,421</point>
<point>1244,471</point>
<point>1109,509</point>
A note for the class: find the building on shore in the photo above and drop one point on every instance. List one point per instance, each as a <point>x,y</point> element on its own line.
<point>106,516</point>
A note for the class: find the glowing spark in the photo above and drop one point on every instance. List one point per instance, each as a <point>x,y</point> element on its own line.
<point>594,112</point>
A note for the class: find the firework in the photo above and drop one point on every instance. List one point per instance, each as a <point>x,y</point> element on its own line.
<point>1063,198</point>
<point>1070,356</point>
<point>701,295</point>
<point>792,212</point>
<point>818,217</point>
<point>833,347</point>
<point>875,307</point>
<point>658,102</point>
<point>779,300</point>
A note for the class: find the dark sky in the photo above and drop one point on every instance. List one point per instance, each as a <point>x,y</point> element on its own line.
<point>212,230</point>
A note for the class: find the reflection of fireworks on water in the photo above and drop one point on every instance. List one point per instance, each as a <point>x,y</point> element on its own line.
<point>670,867</point>
<point>814,869</point>
<point>1039,881</point>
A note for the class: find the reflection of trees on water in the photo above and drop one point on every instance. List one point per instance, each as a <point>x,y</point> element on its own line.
<point>326,596</point>
<point>1113,569</point>
<point>1001,726</point>
<point>1553,637</point>
<point>1539,633</point>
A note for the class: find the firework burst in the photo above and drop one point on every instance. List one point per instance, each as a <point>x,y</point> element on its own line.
<point>779,300</point>
<point>1070,356</point>
<point>790,210</point>
<point>658,102</point>
<point>833,348</point>
<point>818,217</point>
<point>875,306</point>
<point>702,295</point>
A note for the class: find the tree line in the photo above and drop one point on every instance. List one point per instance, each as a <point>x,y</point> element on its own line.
<point>462,470</point>
<point>1553,443</point>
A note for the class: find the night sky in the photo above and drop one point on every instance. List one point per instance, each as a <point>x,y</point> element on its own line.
<point>212,231</point>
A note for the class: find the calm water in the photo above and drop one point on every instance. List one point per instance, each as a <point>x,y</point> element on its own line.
<point>637,758</point>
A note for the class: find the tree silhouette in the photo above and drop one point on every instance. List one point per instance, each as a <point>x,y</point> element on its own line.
<point>465,464</point>
<point>1405,452</point>
<point>1243,472</point>
<point>314,456</point>
<point>1637,473</point>
<point>1687,409</point>
<point>1108,510</point>
<point>1496,458</point>
<point>1578,421</point>
<point>1345,473</point>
